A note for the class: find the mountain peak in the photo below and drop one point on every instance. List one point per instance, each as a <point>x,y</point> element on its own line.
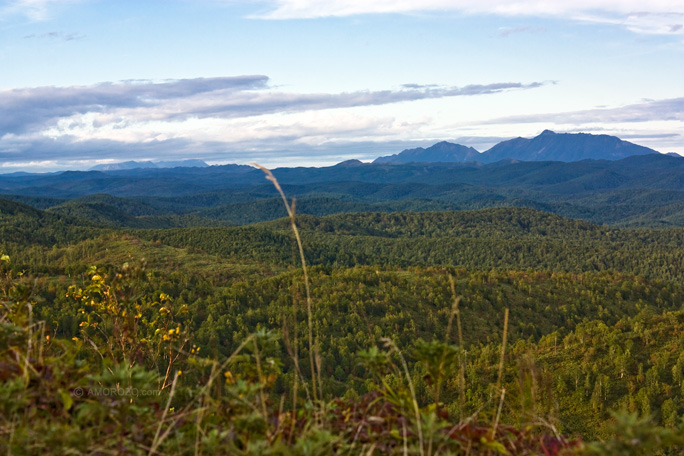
<point>189,163</point>
<point>548,146</point>
<point>442,151</point>
<point>350,163</point>
<point>566,147</point>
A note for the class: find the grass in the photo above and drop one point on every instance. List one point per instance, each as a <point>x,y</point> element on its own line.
<point>114,249</point>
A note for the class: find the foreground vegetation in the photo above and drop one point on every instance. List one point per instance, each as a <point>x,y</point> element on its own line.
<point>135,343</point>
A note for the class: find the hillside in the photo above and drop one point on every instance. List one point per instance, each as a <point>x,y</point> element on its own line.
<point>109,211</point>
<point>595,318</point>
<point>482,240</point>
<point>23,225</point>
<point>593,327</point>
<point>641,190</point>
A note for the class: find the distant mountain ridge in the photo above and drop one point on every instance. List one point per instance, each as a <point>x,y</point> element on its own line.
<point>441,152</point>
<point>548,146</point>
<point>190,163</point>
<point>640,190</point>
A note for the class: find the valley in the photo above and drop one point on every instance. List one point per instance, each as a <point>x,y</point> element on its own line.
<point>525,292</point>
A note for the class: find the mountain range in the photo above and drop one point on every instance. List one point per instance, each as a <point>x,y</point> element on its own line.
<point>548,146</point>
<point>643,189</point>
<point>190,163</point>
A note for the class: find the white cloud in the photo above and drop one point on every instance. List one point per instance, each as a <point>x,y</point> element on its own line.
<point>290,9</point>
<point>241,119</point>
<point>265,132</point>
<point>34,10</point>
<point>647,23</point>
<point>38,107</point>
<point>505,32</point>
<point>652,110</point>
<point>206,116</point>
<point>654,16</point>
<point>56,35</point>
<point>121,104</point>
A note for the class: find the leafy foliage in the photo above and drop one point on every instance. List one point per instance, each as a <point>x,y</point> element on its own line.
<point>189,352</point>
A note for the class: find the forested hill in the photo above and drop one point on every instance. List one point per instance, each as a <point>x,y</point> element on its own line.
<point>447,309</point>
<point>216,322</point>
<point>498,238</point>
<point>24,225</point>
<point>492,238</point>
<point>654,171</point>
<point>645,190</point>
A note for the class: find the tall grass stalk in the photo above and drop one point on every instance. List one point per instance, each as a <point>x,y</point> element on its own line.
<point>260,376</point>
<point>291,213</point>
<point>447,336</point>
<point>461,367</point>
<point>503,350</point>
<point>393,347</point>
<point>500,374</point>
<point>158,437</point>
<point>203,393</point>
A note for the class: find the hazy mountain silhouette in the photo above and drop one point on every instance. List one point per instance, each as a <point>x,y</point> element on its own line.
<point>441,152</point>
<point>548,146</point>
<point>566,147</point>
<point>190,163</point>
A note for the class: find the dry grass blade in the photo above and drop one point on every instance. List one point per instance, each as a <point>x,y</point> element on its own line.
<point>500,374</point>
<point>390,343</point>
<point>461,369</point>
<point>157,438</point>
<point>290,212</point>
<point>503,351</point>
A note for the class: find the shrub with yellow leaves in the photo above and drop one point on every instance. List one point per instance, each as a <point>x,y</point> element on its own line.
<point>124,322</point>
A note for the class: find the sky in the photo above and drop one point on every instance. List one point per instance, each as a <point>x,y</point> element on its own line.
<point>316,82</point>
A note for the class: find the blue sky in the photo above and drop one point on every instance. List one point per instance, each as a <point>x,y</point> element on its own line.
<point>310,82</point>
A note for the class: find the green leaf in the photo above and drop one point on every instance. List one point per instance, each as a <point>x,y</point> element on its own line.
<point>494,445</point>
<point>67,400</point>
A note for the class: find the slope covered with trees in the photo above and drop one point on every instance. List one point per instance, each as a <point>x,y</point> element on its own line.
<point>497,331</point>
<point>639,191</point>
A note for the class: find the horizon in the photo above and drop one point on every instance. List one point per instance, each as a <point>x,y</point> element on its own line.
<point>301,165</point>
<point>315,83</point>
